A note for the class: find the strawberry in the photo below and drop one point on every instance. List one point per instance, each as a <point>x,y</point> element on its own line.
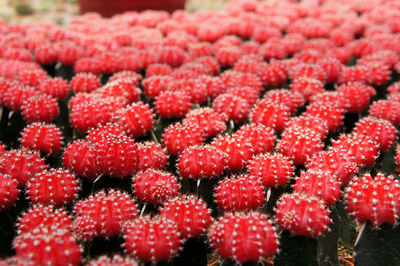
<point>374,199</point>
<point>190,214</point>
<point>273,170</point>
<point>22,165</point>
<point>271,114</point>
<point>235,108</point>
<point>115,260</point>
<point>173,104</point>
<point>8,191</point>
<point>103,214</point>
<point>202,162</point>
<point>356,95</point>
<point>80,158</point>
<point>302,215</point>
<point>178,137</point>
<point>55,87</point>
<point>85,82</point>
<point>262,138</point>
<point>151,155</point>
<point>330,113</point>
<point>293,100</point>
<point>152,239</point>
<point>49,247</point>
<point>46,138</point>
<point>210,122</point>
<point>241,193</point>
<point>244,237</point>
<point>386,109</point>
<point>40,108</point>
<point>308,87</point>
<point>336,162</point>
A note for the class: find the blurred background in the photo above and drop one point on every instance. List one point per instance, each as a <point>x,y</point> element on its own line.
<point>59,11</point>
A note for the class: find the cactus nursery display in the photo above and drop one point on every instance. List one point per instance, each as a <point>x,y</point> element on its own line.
<point>264,133</point>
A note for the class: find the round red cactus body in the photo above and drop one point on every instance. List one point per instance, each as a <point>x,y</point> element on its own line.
<point>173,104</point>
<point>136,119</point>
<point>262,138</point>
<point>356,96</point>
<point>332,68</point>
<point>103,214</point>
<point>152,239</point>
<point>299,144</point>
<point>46,54</point>
<point>330,98</point>
<point>8,191</point>
<point>228,55</point>
<point>178,137</point>
<point>235,108</point>
<point>271,114</point>
<point>308,70</point>
<point>273,49</point>
<point>308,87</point>
<point>22,165</point>
<point>244,237</point>
<point>374,199</point>
<point>293,100</point>
<point>196,90</point>
<point>115,260</point>
<point>158,69</point>
<point>40,108</point>
<point>155,186</point>
<point>117,156</point>
<point>53,187</point>
<point>248,93</point>
<point>380,130</point>
<point>311,122</point>
<point>40,216</point>
<point>16,95</point>
<point>386,109</point>
<point>394,88</point>
<point>49,247</point>
<point>362,147</point>
<point>202,162</point>
<point>171,55</point>
<point>238,149</point>
<point>85,82</point>
<point>332,114</point>
<point>273,170</point>
<point>80,158</point>
<point>303,215</point>
<point>336,162</point>
<point>321,184</point>
<point>55,87</point>
<point>357,73</point>
<point>213,85</point>
<point>240,193</point>
<point>32,77</point>
<point>190,214</point>
<point>154,85</point>
<point>379,73</point>
<point>46,138</point>
<point>210,122</point>
<point>122,87</point>
<point>152,155</point>
<point>107,130</point>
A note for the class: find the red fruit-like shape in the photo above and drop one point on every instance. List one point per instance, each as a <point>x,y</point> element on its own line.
<point>173,104</point>
<point>244,237</point>
<point>248,64</point>
<point>386,109</point>
<point>154,85</point>
<point>271,114</point>
<point>336,162</point>
<point>32,77</point>
<point>273,49</point>
<point>394,88</point>
<point>152,155</point>
<point>202,162</point>
<point>236,108</point>
<point>103,214</point>
<point>299,144</point>
<point>46,138</point>
<point>332,68</point>
<point>107,130</point>
<point>55,87</point>
<point>49,247</point>
<point>158,69</point>
<point>311,122</point>
<point>8,191</point>
<point>178,137</point>
<point>273,170</point>
<point>308,70</point>
<point>213,85</point>
<point>379,73</point>
<point>22,165</point>
<point>44,216</point>
<point>248,93</point>
<point>53,187</point>
<point>40,108</point>
<point>380,130</point>
<point>262,138</point>
<point>190,214</point>
<point>117,156</point>
<point>171,55</point>
<point>238,149</point>
<point>136,119</point>
<point>330,98</point>
<point>362,147</point>
<point>197,91</point>
<point>234,79</point>
<point>330,113</point>
<point>46,54</point>
<point>303,215</point>
<point>356,96</point>
<point>116,260</point>
<point>321,184</point>
<point>210,63</point>
<point>123,87</point>
<point>308,87</point>
<point>357,73</point>
<point>155,186</point>
<point>152,239</point>
<point>374,199</point>
<point>85,82</point>
<point>127,76</point>
<point>293,100</point>
<point>15,96</point>
<point>210,122</point>
<point>80,158</point>
<point>242,193</point>
<point>228,55</point>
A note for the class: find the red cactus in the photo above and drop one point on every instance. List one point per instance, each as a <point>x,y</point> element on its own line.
<point>152,155</point>
<point>262,138</point>
<point>55,87</point>
<point>235,108</point>
<point>293,100</point>
<point>80,158</point>
<point>85,82</point>
<point>308,87</point>
<point>178,137</point>
<point>8,191</point>
<point>173,104</point>
<point>356,95</point>
<point>40,108</point>
<point>210,122</point>
<point>271,114</point>
<point>46,138</point>
<point>386,109</point>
